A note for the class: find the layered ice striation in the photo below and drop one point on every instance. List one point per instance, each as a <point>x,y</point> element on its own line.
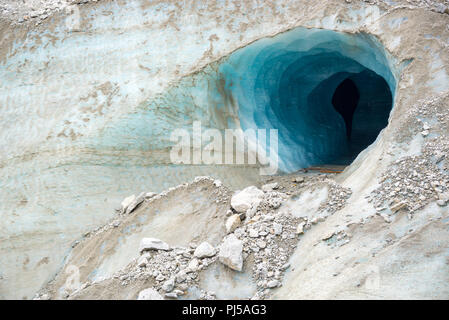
<point>292,82</point>
<point>288,82</point>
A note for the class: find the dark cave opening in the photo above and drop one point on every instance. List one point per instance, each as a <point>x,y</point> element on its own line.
<point>328,94</point>
<point>345,100</point>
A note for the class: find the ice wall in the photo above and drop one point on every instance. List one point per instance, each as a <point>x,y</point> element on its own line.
<point>75,104</point>
<point>287,82</point>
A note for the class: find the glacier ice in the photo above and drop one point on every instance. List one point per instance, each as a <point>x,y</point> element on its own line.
<point>285,82</point>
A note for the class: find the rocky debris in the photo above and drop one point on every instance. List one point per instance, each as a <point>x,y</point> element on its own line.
<point>270,187</point>
<point>336,239</point>
<point>298,179</point>
<point>143,259</point>
<point>204,250</point>
<point>268,235</point>
<point>336,198</point>
<point>206,295</point>
<point>42,296</point>
<point>412,182</point>
<point>271,201</point>
<point>168,285</point>
<point>174,295</point>
<point>396,206</point>
<point>232,223</point>
<point>149,294</point>
<point>193,265</point>
<point>153,244</point>
<point>271,238</point>
<point>247,198</point>
<point>37,11</point>
<point>160,262</point>
<point>439,6</point>
<point>273,284</point>
<point>230,253</point>
<point>173,272</point>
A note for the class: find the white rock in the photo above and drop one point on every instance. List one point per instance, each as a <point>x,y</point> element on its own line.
<point>298,180</point>
<point>253,233</point>
<point>153,244</point>
<point>181,276</point>
<point>444,196</point>
<point>441,203</point>
<point>300,228</point>
<point>143,260</point>
<point>179,292</point>
<point>168,285</point>
<point>262,244</point>
<point>285,266</point>
<point>398,206</point>
<point>231,252</point>
<point>150,195</point>
<point>138,200</point>
<point>245,199</point>
<point>277,228</point>
<point>270,187</point>
<point>160,277</point>
<point>251,211</point>
<point>204,250</point>
<point>171,295</point>
<point>127,201</point>
<point>232,223</point>
<point>273,284</point>
<point>193,265</point>
<point>149,294</point>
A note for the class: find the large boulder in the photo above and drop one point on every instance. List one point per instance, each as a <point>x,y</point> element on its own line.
<point>231,253</point>
<point>245,199</point>
<point>127,201</point>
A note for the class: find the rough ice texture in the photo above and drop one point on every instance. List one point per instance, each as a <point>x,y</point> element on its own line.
<point>78,108</point>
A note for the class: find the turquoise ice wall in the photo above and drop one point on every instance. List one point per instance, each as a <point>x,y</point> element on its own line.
<point>285,82</point>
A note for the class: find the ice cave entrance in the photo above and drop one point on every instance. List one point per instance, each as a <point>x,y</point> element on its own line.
<point>328,93</point>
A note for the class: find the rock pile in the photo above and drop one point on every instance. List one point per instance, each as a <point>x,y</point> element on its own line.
<point>259,239</point>
<point>37,11</point>
<point>411,183</point>
<point>337,197</point>
<point>270,237</point>
<point>173,269</point>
